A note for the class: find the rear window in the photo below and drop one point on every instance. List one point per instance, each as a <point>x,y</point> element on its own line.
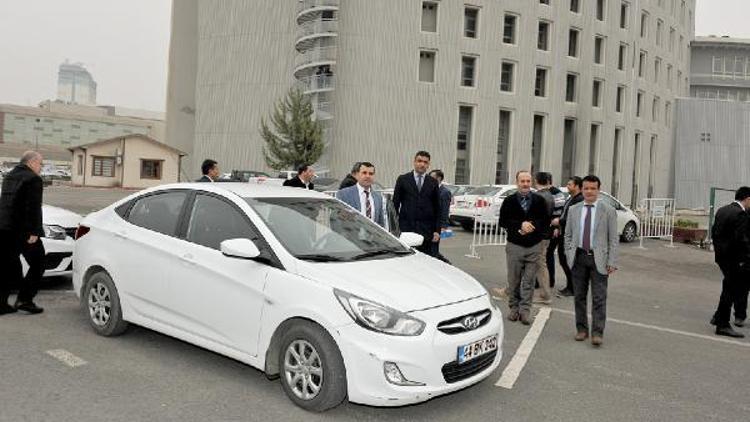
<point>484,191</point>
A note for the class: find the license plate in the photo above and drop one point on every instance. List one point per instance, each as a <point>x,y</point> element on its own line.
<point>476,349</point>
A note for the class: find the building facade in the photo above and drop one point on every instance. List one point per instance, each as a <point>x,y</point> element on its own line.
<point>75,85</point>
<point>487,87</point>
<point>720,68</point>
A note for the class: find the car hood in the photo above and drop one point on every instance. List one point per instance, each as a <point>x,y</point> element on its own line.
<point>60,217</point>
<point>407,283</point>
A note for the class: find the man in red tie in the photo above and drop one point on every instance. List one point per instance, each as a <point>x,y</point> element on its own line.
<point>591,242</point>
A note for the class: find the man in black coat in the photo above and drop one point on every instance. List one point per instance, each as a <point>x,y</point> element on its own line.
<point>351,178</point>
<point>445,209</point>
<point>305,174</point>
<point>20,233</point>
<point>416,198</point>
<point>210,171</point>
<point>732,254</point>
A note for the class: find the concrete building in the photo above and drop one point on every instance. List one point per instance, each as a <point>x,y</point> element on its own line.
<point>488,87</point>
<point>713,127</point>
<point>130,161</point>
<point>75,85</point>
<point>65,125</point>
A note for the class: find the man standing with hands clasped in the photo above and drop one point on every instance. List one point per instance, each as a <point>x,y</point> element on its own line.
<point>416,198</point>
<point>591,242</point>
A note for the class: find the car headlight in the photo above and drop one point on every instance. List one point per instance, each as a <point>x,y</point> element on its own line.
<point>54,232</point>
<point>377,317</point>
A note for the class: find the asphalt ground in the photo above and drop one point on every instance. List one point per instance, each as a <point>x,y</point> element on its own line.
<point>660,359</point>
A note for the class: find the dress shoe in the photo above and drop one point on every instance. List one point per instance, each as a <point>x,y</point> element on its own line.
<point>582,335</point>
<point>729,332</point>
<point>513,316</point>
<point>565,293</point>
<point>6,309</point>
<point>739,322</point>
<point>596,341</point>
<point>713,320</point>
<point>525,318</point>
<point>29,307</point>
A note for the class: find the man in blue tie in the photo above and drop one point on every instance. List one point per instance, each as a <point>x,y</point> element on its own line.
<point>591,242</point>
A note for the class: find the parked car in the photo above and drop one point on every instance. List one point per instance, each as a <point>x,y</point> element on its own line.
<point>481,203</point>
<point>292,282</point>
<point>287,174</point>
<point>628,223</point>
<point>245,175</point>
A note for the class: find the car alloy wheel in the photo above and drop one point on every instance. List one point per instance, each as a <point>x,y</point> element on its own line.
<point>628,234</point>
<point>100,304</point>
<point>303,369</point>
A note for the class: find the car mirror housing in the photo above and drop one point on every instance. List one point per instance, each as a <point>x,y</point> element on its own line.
<point>411,239</point>
<point>240,248</point>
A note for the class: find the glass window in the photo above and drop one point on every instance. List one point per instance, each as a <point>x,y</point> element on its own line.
<point>609,201</point>
<point>509,29</point>
<point>467,70</point>
<point>429,16</point>
<point>213,220</point>
<point>160,212</point>
<point>151,169</point>
<point>103,167</point>
<point>471,19</point>
<point>506,77</point>
<point>543,36</point>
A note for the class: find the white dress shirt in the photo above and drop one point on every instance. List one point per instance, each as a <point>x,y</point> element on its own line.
<point>362,203</point>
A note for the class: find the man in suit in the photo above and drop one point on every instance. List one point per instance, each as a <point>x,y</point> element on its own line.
<point>305,174</point>
<point>362,198</point>
<point>210,171</point>
<point>574,189</point>
<point>591,242</point>
<point>732,254</point>
<point>416,198</point>
<point>445,209</point>
<point>351,178</point>
<point>20,233</point>
<point>524,217</point>
<point>543,181</point>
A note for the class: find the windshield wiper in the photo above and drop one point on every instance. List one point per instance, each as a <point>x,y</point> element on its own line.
<point>380,252</point>
<point>319,258</point>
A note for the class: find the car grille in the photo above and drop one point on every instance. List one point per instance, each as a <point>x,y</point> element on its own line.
<point>457,326</point>
<point>52,260</point>
<point>453,372</point>
<point>71,231</point>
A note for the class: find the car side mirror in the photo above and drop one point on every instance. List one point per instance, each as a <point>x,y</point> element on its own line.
<point>239,248</point>
<point>411,239</point>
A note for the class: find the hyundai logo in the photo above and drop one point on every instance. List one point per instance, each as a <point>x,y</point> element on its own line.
<point>470,322</point>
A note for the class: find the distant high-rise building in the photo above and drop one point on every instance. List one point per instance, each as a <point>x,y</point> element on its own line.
<point>75,85</point>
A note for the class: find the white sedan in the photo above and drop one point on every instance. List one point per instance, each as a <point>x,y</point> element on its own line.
<point>292,282</point>
<point>481,204</point>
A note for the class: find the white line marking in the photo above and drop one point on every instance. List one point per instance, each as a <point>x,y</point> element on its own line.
<point>665,330</point>
<point>66,357</point>
<point>513,370</point>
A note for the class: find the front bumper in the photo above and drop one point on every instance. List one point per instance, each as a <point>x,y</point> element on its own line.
<point>420,359</point>
<point>58,258</point>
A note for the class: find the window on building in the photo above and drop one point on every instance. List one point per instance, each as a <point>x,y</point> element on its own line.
<point>659,30</point>
<point>468,65</point>
<point>575,6</point>
<point>651,166</point>
<point>594,148</point>
<point>624,10</point>
<point>620,98</point>
<point>151,169</point>
<point>540,82</point>
<point>537,140</point>
<point>599,46</point>
<point>669,77</point>
<point>509,29</point>
<point>622,55</point>
<point>103,166</point>
<point>657,69</point>
<point>639,103</point>
<point>429,16</point>
<point>655,107</point>
<point>427,66</point>
<point>680,47</point>
<point>544,2</point>
<point>596,96</point>
<point>507,76</point>
<point>615,188</point>
<point>543,36</point>
<point>644,24</point>
<point>569,149</point>
<point>600,12</point>
<point>80,165</point>
<point>636,169</point>
<point>679,80</point>
<point>672,33</point>
<point>471,22</point>
<point>642,64</point>
<point>571,83</point>
<point>503,145</point>
<point>463,146</point>
<point>573,42</point>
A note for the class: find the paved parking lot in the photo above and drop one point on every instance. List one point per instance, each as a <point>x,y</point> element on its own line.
<point>660,360</point>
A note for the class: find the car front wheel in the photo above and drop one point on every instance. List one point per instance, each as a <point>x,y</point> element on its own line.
<point>102,305</point>
<point>312,369</point>
<point>629,233</point>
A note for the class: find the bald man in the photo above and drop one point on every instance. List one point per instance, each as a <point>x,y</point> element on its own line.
<point>20,233</point>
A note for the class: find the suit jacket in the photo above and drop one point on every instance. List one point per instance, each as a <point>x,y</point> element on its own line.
<point>204,178</point>
<point>418,210</point>
<point>349,180</point>
<point>350,196</point>
<point>606,237</point>
<point>21,203</point>
<point>730,235</point>
<point>296,182</point>
<point>569,203</point>
<point>445,206</point>
<point>512,217</point>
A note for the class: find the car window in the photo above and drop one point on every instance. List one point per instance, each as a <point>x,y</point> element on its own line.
<point>213,221</point>
<point>160,212</point>
<point>509,192</point>
<point>610,201</point>
<point>484,191</point>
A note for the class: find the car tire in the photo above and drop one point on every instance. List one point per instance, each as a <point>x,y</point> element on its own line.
<point>101,305</point>
<point>629,233</point>
<point>322,368</point>
<point>468,226</point>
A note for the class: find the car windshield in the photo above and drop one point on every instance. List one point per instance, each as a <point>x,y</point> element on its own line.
<point>484,191</point>
<point>325,230</point>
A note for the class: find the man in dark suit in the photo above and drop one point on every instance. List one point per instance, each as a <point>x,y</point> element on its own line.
<point>305,174</point>
<point>210,171</point>
<point>351,178</point>
<point>416,198</point>
<point>732,254</point>
<point>445,209</point>
<point>574,186</point>
<point>524,217</point>
<point>20,233</point>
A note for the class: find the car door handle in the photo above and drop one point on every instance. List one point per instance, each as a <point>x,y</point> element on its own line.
<point>188,259</point>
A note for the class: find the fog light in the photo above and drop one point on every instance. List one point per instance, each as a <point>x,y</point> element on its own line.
<point>394,375</point>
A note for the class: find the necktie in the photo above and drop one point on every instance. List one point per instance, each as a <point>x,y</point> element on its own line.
<point>419,182</point>
<point>525,203</point>
<point>586,241</point>
<point>368,206</point>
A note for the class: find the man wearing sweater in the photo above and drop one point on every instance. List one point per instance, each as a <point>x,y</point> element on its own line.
<point>524,217</point>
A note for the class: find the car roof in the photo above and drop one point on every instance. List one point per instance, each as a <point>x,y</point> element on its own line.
<point>246,190</point>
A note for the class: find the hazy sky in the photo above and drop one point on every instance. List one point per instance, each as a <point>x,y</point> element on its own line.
<point>125,45</point>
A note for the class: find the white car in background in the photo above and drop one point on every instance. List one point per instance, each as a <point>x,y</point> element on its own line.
<point>481,204</point>
<point>292,282</point>
<point>628,223</point>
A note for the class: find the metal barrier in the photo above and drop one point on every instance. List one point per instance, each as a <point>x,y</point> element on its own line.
<point>657,219</point>
<point>487,230</point>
